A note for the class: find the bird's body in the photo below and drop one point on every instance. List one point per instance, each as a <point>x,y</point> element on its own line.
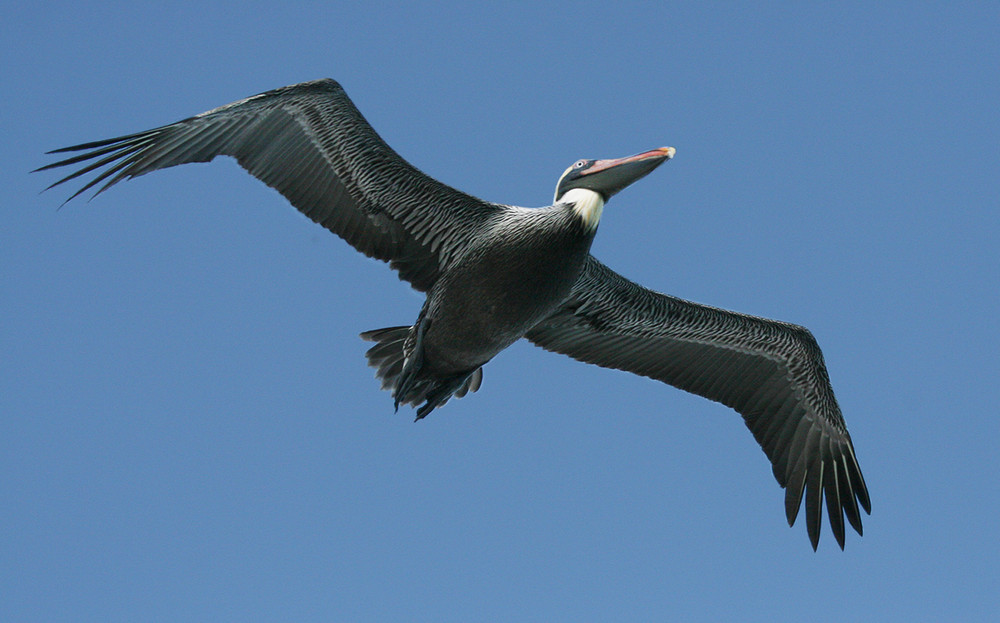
<point>496,293</point>
<point>494,274</point>
<point>490,298</point>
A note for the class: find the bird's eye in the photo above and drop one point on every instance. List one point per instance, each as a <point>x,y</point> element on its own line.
<point>579,164</point>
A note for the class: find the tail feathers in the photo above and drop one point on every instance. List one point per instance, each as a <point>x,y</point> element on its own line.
<point>387,354</point>
<point>388,357</point>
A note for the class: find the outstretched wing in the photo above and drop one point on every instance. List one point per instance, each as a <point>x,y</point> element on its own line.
<point>310,143</point>
<point>770,372</point>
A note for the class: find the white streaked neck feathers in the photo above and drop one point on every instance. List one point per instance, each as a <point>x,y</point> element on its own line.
<point>587,204</point>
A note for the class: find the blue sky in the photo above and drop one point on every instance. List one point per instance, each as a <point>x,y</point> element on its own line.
<point>188,429</point>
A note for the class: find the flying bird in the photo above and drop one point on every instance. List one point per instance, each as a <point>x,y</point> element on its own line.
<point>494,274</point>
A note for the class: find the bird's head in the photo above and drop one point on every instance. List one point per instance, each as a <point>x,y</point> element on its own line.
<point>588,184</point>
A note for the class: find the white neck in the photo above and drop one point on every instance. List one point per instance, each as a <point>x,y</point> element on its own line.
<point>587,204</point>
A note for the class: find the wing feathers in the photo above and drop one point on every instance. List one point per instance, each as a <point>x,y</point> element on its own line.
<point>770,372</point>
<point>311,144</point>
<point>831,489</point>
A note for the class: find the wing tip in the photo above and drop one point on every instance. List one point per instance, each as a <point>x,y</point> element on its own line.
<point>816,492</point>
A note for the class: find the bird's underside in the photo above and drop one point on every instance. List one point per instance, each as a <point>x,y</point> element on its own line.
<point>310,143</point>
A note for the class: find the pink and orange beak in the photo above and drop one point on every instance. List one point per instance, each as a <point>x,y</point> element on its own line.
<point>608,177</point>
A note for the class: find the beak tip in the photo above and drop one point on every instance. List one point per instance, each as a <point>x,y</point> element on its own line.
<point>668,152</point>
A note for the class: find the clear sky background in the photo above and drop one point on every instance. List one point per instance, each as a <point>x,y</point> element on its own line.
<point>189,430</point>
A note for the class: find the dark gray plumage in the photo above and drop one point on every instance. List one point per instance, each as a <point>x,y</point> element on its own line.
<point>496,273</point>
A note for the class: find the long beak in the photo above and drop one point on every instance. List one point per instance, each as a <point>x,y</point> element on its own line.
<point>610,176</point>
<point>661,153</point>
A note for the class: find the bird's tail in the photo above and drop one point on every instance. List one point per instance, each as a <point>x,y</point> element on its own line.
<point>388,357</point>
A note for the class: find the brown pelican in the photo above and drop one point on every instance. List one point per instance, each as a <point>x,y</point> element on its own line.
<point>495,273</point>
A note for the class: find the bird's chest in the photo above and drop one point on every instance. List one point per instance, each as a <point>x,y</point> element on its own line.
<point>498,293</point>
<point>513,284</point>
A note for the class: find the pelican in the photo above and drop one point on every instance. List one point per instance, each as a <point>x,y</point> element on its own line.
<point>494,274</point>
